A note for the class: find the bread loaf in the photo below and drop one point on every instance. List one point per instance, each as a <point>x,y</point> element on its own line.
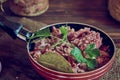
<point>28,7</point>
<point>114,9</point>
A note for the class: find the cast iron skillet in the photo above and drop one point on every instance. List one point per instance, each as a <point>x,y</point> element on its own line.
<point>16,30</point>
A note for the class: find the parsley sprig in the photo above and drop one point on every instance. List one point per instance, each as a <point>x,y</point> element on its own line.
<point>91,52</point>
<point>41,34</point>
<point>64,31</point>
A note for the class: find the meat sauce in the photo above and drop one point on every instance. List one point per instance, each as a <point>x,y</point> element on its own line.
<point>81,38</point>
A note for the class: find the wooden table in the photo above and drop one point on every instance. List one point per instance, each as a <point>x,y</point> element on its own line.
<point>93,12</point>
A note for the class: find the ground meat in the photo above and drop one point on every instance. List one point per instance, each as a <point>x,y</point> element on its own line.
<point>80,39</point>
<point>56,32</point>
<point>103,58</point>
<point>37,54</point>
<point>83,37</point>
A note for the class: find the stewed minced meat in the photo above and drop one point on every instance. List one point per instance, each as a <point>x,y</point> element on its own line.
<point>81,39</point>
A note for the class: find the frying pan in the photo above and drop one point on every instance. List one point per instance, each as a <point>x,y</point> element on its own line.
<point>16,30</point>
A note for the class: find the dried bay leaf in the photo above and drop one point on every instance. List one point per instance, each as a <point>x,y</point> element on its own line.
<point>56,62</point>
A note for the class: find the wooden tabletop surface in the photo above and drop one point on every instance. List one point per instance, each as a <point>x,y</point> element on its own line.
<point>94,12</point>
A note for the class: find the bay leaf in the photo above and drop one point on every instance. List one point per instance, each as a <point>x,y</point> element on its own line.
<point>55,61</point>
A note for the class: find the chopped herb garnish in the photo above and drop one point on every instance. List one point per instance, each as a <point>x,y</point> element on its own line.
<point>41,34</point>
<point>91,51</point>
<point>77,54</point>
<point>91,63</point>
<point>64,31</point>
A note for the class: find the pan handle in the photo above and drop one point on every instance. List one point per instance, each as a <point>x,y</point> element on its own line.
<point>14,29</point>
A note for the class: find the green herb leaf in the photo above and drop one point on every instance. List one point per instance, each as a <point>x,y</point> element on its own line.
<point>78,55</point>
<point>90,46</point>
<point>92,52</point>
<point>64,30</point>
<point>41,33</point>
<point>91,63</point>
